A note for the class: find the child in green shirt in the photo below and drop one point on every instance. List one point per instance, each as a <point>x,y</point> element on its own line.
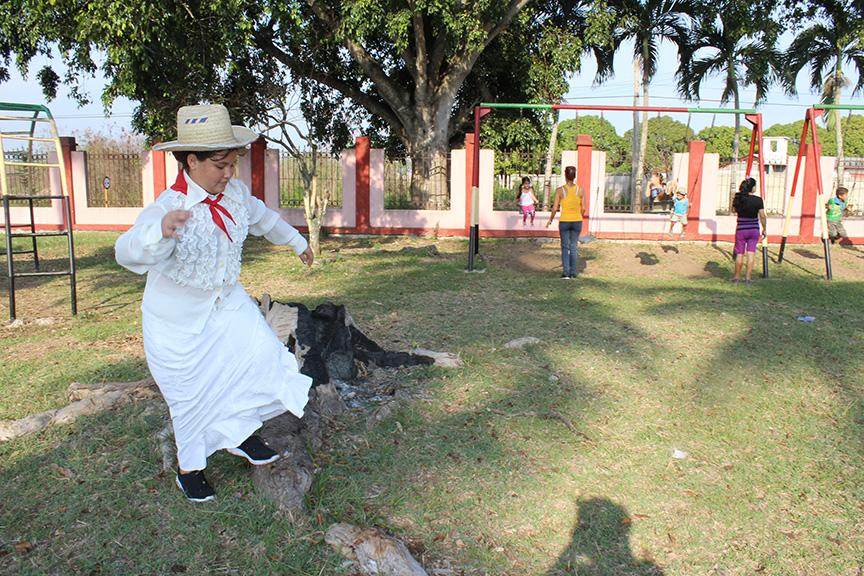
<point>834,214</point>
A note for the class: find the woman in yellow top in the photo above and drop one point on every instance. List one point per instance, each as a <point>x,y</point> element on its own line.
<point>571,199</point>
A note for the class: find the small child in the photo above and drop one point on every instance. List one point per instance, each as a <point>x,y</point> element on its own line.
<point>526,199</point>
<point>679,211</point>
<point>834,214</point>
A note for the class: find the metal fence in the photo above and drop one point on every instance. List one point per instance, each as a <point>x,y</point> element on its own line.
<point>777,180</point>
<point>399,184</point>
<point>854,181</point>
<point>510,168</point>
<point>617,196</point>
<point>775,176</point>
<point>27,180</point>
<point>291,183</point>
<point>114,180</point>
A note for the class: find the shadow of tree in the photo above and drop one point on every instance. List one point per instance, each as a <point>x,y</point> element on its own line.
<point>600,544</point>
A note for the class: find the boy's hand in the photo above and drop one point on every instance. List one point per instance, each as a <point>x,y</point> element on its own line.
<point>173,221</point>
<point>307,256</point>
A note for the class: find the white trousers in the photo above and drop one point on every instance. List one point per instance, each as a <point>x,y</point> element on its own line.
<point>222,384</point>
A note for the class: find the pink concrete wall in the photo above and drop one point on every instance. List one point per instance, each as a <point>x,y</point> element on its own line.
<point>707,226</point>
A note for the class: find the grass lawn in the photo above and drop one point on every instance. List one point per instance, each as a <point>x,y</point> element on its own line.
<point>668,421</point>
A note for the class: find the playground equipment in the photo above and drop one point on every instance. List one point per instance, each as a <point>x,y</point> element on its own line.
<point>21,165</point>
<point>484,108</point>
<point>810,126</point>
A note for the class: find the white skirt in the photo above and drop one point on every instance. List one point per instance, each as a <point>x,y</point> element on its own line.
<point>222,384</point>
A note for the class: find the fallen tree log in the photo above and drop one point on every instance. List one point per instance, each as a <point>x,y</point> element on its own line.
<point>87,399</point>
<point>373,551</point>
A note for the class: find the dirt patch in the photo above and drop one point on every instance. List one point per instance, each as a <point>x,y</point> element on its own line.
<point>524,257</point>
<point>609,258</point>
<point>847,262</point>
<point>39,349</point>
<point>613,258</point>
<point>662,259</point>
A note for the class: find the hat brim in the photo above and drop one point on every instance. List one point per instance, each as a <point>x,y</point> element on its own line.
<point>242,137</point>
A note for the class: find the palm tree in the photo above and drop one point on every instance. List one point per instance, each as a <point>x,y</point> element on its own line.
<point>557,58</point>
<point>647,23</point>
<point>559,55</point>
<point>739,46</point>
<point>834,39</point>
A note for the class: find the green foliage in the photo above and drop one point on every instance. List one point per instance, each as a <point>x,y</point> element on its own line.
<point>853,135</point>
<point>793,133</point>
<point>509,129</point>
<point>410,72</point>
<point>852,129</point>
<point>719,139</point>
<point>734,40</point>
<point>648,23</point>
<point>835,38</point>
<point>665,137</point>
<point>603,136</point>
<point>557,58</point>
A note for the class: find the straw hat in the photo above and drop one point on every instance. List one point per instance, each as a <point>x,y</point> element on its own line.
<point>207,127</point>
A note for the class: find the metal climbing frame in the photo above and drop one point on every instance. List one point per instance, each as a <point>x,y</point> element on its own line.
<point>19,161</point>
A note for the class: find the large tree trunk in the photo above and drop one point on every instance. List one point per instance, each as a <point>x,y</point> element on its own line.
<point>428,144</point>
<point>430,182</point>
<point>550,161</point>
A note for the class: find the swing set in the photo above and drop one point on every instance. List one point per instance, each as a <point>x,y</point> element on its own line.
<point>484,108</point>
<point>810,127</point>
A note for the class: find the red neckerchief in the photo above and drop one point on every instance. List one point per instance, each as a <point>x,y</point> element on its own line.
<point>181,186</point>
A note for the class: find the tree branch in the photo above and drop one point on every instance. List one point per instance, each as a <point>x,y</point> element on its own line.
<point>389,92</point>
<point>265,43</point>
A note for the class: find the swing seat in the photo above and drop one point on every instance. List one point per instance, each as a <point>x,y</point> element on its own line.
<point>662,206</point>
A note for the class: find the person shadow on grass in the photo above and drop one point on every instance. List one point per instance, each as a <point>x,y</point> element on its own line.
<point>600,544</point>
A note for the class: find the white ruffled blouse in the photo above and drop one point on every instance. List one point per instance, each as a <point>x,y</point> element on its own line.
<point>186,278</point>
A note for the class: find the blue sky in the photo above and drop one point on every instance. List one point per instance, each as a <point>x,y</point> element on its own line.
<point>779,108</point>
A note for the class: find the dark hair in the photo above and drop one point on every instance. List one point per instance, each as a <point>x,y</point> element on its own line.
<point>526,179</point>
<point>570,173</point>
<point>841,190</point>
<point>744,190</point>
<point>183,157</point>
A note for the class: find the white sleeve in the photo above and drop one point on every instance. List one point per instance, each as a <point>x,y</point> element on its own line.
<point>142,247</point>
<point>266,222</point>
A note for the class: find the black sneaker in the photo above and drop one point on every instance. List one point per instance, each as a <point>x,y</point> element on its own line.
<point>256,451</point>
<point>195,486</point>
